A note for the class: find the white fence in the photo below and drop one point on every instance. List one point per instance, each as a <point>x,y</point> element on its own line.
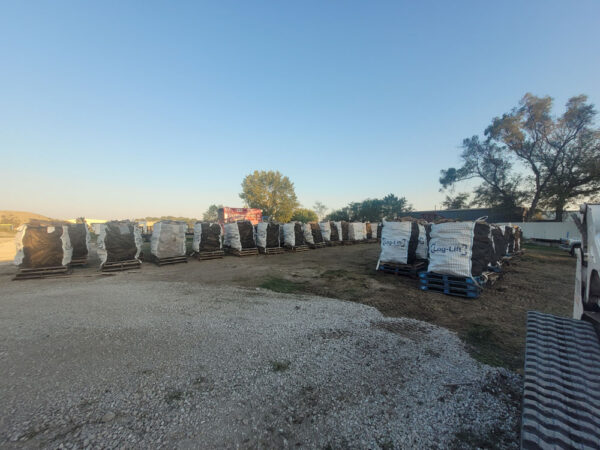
<point>554,231</point>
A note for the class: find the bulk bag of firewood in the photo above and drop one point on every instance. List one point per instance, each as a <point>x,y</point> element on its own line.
<point>43,244</point>
<point>369,230</point>
<point>461,249</point>
<point>399,241</point>
<point>267,235</point>
<point>239,235</point>
<point>422,250</point>
<point>168,239</point>
<point>345,230</point>
<point>325,231</point>
<point>509,234</point>
<point>119,241</point>
<point>307,231</point>
<point>293,234</point>
<point>336,231</point>
<point>356,231</point>
<point>317,236</point>
<point>207,237</point>
<point>79,235</point>
<point>518,237</point>
<point>498,242</point>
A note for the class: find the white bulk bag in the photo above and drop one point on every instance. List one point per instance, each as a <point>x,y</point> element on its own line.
<point>422,248</point>
<point>451,248</point>
<point>261,234</point>
<point>325,231</point>
<point>168,239</point>
<point>123,228</point>
<point>289,235</point>
<point>395,238</point>
<point>356,231</point>
<point>232,236</point>
<point>197,236</point>
<point>338,225</point>
<point>307,231</point>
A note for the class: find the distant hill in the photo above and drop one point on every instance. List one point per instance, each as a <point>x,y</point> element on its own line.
<point>19,217</point>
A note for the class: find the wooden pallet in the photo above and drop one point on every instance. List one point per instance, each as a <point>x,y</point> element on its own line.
<point>451,285</point>
<point>42,272</point>
<point>243,252</point>
<point>79,262</point>
<point>169,260</point>
<point>372,241</point>
<point>319,245</point>
<point>118,266</point>
<point>409,270</point>
<point>271,250</point>
<point>204,256</point>
<point>299,248</point>
<point>350,242</point>
<point>333,243</point>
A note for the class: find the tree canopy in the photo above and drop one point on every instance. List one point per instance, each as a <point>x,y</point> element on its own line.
<point>320,209</point>
<point>529,156</point>
<point>373,210</point>
<point>272,192</point>
<point>458,201</point>
<point>212,213</point>
<point>305,215</point>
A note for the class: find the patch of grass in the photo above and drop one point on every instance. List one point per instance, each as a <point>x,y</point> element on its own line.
<point>544,248</point>
<point>281,285</point>
<point>484,345</point>
<point>280,366</point>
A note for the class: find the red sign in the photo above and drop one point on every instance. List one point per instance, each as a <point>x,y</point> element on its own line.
<point>230,215</point>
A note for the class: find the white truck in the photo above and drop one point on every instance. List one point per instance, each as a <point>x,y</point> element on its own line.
<point>561,394</point>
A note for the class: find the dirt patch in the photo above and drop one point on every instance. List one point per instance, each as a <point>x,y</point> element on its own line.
<point>414,331</point>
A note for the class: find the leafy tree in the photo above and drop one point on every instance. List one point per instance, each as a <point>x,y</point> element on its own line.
<point>212,213</point>
<point>272,192</point>
<point>557,155</point>
<point>373,210</point>
<point>459,201</point>
<point>304,215</point>
<point>486,161</point>
<point>320,209</point>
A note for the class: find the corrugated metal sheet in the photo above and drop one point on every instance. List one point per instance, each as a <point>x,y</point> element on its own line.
<point>561,395</point>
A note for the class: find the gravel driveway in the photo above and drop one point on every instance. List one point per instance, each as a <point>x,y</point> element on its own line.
<point>115,361</point>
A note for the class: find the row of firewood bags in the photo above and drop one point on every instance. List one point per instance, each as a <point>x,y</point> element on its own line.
<point>48,244</point>
<point>465,249</point>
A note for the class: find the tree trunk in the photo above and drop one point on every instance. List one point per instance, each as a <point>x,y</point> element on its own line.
<point>560,208</point>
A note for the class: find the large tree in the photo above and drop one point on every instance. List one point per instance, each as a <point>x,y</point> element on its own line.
<point>530,155</point>
<point>304,215</point>
<point>272,192</point>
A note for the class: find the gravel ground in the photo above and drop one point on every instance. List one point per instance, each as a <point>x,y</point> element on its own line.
<point>114,361</point>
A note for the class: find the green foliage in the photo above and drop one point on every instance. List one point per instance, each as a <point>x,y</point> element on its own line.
<point>304,215</point>
<point>373,210</point>
<point>272,192</point>
<point>556,159</point>
<point>211,214</point>
<point>281,285</point>
<point>459,201</point>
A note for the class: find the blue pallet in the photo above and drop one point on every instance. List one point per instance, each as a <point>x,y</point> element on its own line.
<point>450,285</point>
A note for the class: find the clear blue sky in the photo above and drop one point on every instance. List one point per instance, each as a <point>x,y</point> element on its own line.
<point>115,109</point>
